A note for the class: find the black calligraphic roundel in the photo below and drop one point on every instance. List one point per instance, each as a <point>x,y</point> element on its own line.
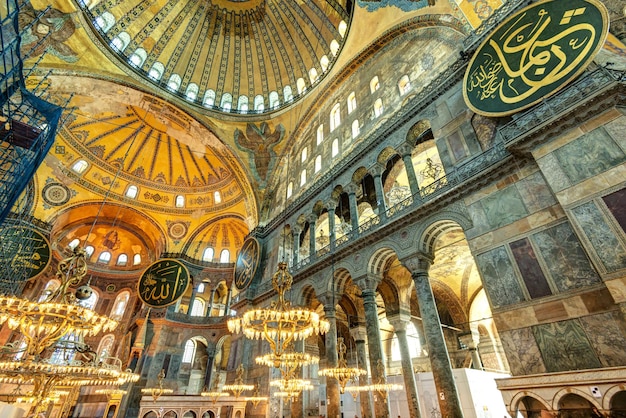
<point>163,283</point>
<point>534,54</point>
<point>25,251</point>
<point>247,263</point>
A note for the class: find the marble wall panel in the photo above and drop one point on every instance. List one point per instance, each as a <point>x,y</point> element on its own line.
<point>606,245</point>
<point>536,193</point>
<point>479,220</point>
<point>499,278</point>
<point>564,346</point>
<point>504,207</point>
<point>606,332</point>
<point>530,269</point>
<point>589,155</point>
<point>565,258</point>
<point>616,202</point>
<point>616,129</point>
<point>553,172</point>
<point>522,352</point>
<point>174,367</point>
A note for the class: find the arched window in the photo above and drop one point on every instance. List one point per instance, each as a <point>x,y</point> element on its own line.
<point>122,260</point>
<point>242,104</point>
<point>313,75</point>
<point>226,102</point>
<point>324,62</point>
<point>335,117</point>
<point>138,57</point>
<point>351,102</point>
<point>355,128</point>
<point>156,72</point>
<point>217,197</point>
<point>80,166</point>
<point>225,256</point>
<point>334,47</point>
<point>120,42</point>
<point>197,309</point>
<point>191,93</point>
<point>301,85</point>
<point>304,154</point>
<point>105,348</point>
<point>208,253</point>
<point>287,94</point>
<point>335,148</point>
<point>259,103</point>
<point>318,163</point>
<point>189,352</point>
<point>90,302</point>
<point>119,306</point>
<point>132,192</point>
<point>105,21</point>
<point>209,98</point>
<point>374,84</point>
<point>180,201</point>
<point>50,288</point>
<point>378,107</point>
<point>320,134</point>
<point>89,250</point>
<point>342,28</point>
<point>415,347</point>
<point>404,85</point>
<point>200,288</point>
<point>274,101</point>
<point>136,259</point>
<point>104,257</point>
<point>289,189</point>
<point>303,177</point>
<point>174,82</point>
<point>73,243</point>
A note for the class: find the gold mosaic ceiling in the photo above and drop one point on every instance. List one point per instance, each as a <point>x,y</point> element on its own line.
<point>225,47</point>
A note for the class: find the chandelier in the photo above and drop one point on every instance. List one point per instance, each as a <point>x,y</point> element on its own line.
<point>288,361</point>
<point>381,386</point>
<point>43,324</point>
<point>256,397</point>
<point>158,390</point>
<point>290,388</point>
<point>214,394</point>
<point>280,324</point>
<point>238,386</point>
<point>342,372</point>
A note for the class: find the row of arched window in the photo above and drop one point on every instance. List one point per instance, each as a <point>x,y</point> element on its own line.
<point>132,191</point>
<point>209,253</point>
<point>121,41</point>
<point>105,256</point>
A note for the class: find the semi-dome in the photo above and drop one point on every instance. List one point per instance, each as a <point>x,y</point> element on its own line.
<point>236,56</point>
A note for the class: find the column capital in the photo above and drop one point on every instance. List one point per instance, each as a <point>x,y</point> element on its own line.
<point>211,350</point>
<point>331,204</point>
<point>311,218</point>
<point>399,321</point>
<point>296,229</point>
<point>329,302</point>
<point>368,282</point>
<point>405,150</point>
<point>359,333</point>
<point>351,188</point>
<point>417,263</point>
<point>377,169</point>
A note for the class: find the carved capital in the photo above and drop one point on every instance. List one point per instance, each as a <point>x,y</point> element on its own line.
<point>405,150</point>
<point>296,230</point>
<point>417,263</point>
<point>376,170</point>
<point>311,218</point>
<point>400,320</point>
<point>368,282</point>
<point>329,301</point>
<point>331,205</point>
<point>351,188</point>
<point>359,333</point>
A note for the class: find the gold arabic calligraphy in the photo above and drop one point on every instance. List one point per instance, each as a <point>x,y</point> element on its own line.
<point>163,283</point>
<point>530,55</point>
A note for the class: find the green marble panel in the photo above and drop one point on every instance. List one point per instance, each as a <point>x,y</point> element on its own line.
<point>606,245</point>
<point>499,278</point>
<point>607,332</point>
<point>504,207</point>
<point>564,346</point>
<point>589,155</point>
<point>522,352</point>
<point>565,258</point>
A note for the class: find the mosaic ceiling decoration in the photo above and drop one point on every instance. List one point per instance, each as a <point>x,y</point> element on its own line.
<point>245,56</point>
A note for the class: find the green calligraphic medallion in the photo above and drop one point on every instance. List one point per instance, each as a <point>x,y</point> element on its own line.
<point>24,252</point>
<point>163,283</point>
<point>533,54</point>
<point>247,263</point>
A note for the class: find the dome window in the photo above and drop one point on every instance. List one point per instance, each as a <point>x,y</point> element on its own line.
<point>259,103</point>
<point>104,22</point>
<point>138,57</point>
<point>174,82</point>
<point>156,72</point>
<point>192,92</point>
<point>351,102</point>
<point>374,84</point>
<point>80,166</point>
<point>209,98</point>
<point>132,192</point>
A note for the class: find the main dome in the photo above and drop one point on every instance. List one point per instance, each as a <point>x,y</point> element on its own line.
<point>234,56</point>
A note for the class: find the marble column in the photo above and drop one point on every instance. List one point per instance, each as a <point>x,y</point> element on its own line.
<point>332,359</point>
<point>192,298</point>
<point>406,150</point>
<point>210,307</point>
<point>368,285</point>
<point>377,171</point>
<point>399,323</point>
<point>229,294</point>
<point>359,334</point>
<point>471,340</point>
<point>296,231</point>
<point>351,189</point>
<point>210,350</point>
<point>331,205</point>
<point>297,404</point>
<point>447,394</point>
<point>312,218</point>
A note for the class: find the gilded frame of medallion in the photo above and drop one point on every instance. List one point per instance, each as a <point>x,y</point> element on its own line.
<point>147,269</point>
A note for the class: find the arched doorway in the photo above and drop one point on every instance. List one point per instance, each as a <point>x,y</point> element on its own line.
<point>529,407</point>
<point>618,405</point>
<point>574,406</point>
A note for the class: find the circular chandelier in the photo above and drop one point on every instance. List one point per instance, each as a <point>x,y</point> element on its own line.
<point>287,361</point>
<point>238,386</point>
<point>381,386</point>
<point>214,394</point>
<point>280,324</point>
<point>158,390</point>
<point>342,372</point>
<point>290,388</point>
<point>256,397</point>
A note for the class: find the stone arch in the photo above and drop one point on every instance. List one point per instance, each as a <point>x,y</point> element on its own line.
<point>359,174</point>
<point>530,399</point>
<point>390,294</point>
<point>566,392</point>
<point>435,226</point>
<point>448,297</point>
<point>385,154</point>
<point>614,395</point>
<point>380,258</point>
<point>416,131</point>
